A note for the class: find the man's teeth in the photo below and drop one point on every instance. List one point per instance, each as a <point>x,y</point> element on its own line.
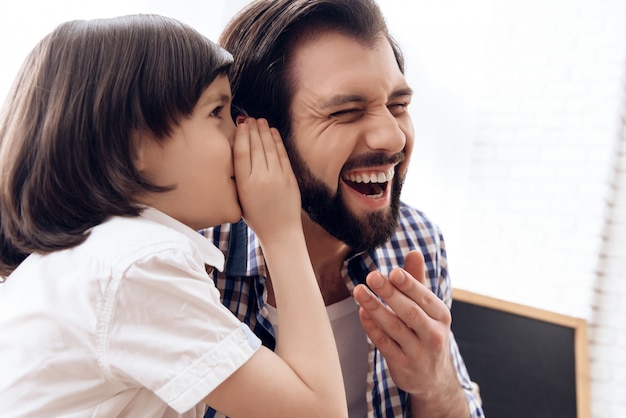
<point>374,177</point>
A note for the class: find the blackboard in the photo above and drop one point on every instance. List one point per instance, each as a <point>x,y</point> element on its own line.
<point>528,362</point>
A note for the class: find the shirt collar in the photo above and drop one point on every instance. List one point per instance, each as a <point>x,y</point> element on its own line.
<point>211,255</point>
<point>244,256</point>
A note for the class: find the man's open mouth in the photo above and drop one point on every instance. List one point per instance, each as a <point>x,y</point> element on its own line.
<point>372,183</point>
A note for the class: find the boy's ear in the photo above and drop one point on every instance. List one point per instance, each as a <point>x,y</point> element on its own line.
<point>138,142</point>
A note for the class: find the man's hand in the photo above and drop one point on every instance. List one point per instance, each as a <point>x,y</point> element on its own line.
<point>412,331</point>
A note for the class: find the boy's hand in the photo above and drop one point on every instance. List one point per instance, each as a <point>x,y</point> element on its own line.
<point>267,188</point>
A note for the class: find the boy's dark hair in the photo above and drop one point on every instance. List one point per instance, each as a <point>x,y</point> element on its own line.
<point>65,129</point>
<point>263,35</point>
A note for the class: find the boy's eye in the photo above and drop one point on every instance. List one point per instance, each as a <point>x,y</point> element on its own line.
<point>217,111</point>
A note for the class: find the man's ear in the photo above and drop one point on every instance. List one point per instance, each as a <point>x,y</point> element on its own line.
<point>240,119</point>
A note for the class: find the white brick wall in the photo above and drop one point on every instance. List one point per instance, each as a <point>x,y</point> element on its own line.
<point>544,119</point>
<point>608,336</point>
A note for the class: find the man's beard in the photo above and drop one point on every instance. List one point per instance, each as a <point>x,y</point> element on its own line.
<point>331,213</point>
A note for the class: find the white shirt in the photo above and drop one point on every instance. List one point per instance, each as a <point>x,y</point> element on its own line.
<point>127,324</point>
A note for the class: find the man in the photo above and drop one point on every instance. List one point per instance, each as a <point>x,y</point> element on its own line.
<point>329,76</point>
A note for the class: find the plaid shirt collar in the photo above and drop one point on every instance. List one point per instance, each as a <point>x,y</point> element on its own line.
<point>244,256</point>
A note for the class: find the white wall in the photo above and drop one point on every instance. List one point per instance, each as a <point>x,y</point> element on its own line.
<point>23,23</point>
<point>520,153</point>
<point>520,157</point>
<point>608,349</point>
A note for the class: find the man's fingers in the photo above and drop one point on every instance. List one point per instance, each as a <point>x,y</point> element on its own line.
<point>422,297</point>
<point>387,345</point>
<point>392,325</point>
<point>413,303</point>
<point>379,323</point>
<point>414,264</point>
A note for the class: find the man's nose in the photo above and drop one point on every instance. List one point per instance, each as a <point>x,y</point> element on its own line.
<point>383,132</point>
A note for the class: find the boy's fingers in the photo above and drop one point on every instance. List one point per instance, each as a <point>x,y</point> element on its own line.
<point>257,148</point>
<point>241,151</point>
<point>269,145</point>
<point>283,158</point>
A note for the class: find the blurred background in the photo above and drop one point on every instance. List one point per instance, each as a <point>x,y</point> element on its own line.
<point>520,155</point>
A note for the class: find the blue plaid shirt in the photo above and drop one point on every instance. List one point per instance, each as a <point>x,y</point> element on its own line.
<point>244,292</point>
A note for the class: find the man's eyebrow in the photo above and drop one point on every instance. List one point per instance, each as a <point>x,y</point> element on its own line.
<point>342,99</point>
<point>405,91</point>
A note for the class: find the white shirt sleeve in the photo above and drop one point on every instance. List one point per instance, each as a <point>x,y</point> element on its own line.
<point>164,328</point>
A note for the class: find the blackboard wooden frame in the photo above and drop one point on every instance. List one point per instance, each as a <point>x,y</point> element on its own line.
<point>577,325</point>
